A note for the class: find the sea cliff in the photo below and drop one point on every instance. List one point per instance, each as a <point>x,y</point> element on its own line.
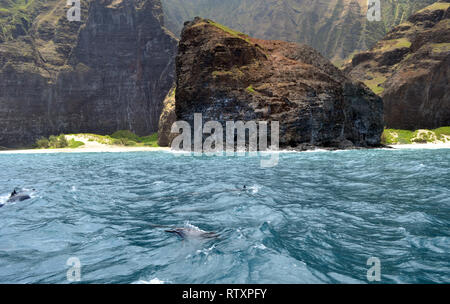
<point>111,71</point>
<point>228,76</point>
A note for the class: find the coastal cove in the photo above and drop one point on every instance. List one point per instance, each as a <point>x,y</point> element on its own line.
<point>189,142</point>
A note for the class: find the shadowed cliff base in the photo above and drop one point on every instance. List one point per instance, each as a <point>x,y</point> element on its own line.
<point>228,76</point>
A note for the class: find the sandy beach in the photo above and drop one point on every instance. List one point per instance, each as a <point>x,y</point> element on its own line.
<point>423,146</point>
<point>95,147</point>
<point>85,150</point>
<point>89,147</point>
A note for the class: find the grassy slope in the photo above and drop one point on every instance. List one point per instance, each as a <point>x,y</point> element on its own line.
<point>119,138</point>
<point>16,17</point>
<point>393,136</point>
<point>389,137</point>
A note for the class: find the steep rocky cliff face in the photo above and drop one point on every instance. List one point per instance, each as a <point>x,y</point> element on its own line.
<point>166,120</point>
<point>337,28</point>
<point>228,76</point>
<point>410,69</point>
<point>108,72</point>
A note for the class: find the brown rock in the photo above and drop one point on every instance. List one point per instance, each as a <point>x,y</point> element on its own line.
<point>168,117</point>
<point>228,76</point>
<point>410,69</point>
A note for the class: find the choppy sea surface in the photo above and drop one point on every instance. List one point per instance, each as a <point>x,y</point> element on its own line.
<point>317,217</point>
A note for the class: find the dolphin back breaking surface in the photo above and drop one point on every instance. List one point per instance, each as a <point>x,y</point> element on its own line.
<point>18,196</point>
<point>192,233</point>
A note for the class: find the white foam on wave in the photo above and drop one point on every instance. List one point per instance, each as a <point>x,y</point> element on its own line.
<point>320,150</point>
<point>260,246</point>
<point>292,151</point>
<point>206,251</point>
<point>254,154</point>
<point>152,281</point>
<point>3,199</point>
<point>181,152</point>
<point>187,224</point>
<point>255,188</point>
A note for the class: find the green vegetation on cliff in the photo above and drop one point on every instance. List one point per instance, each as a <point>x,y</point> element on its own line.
<point>119,138</point>
<point>58,142</point>
<point>229,31</point>
<point>388,45</point>
<point>16,17</point>
<point>436,6</point>
<point>395,136</point>
<point>250,89</point>
<point>128,138</point>
<point>442,132</point>
<point>440,47</point>
<point>375,83</point>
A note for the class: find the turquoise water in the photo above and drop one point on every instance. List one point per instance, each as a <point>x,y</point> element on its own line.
<point>315,218</point>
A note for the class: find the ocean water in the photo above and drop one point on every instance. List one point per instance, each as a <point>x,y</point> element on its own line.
<point>317,217</point>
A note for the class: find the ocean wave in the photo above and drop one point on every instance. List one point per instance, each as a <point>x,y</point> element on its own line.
<point>152,281</point>
<point>313,218</point>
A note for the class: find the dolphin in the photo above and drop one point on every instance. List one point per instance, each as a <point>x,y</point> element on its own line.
<point>188,232</point>
<point>17,197</point>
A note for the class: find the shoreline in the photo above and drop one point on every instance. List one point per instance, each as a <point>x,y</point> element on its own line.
<point>120,149</point>
<point>106,149</point>
<point>421,146</point>
<point>88,147</point>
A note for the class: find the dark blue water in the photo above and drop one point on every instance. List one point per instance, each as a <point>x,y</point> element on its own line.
<point>315,218</point>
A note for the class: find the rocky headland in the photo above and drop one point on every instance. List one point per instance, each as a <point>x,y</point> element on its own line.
<point>228,76</point>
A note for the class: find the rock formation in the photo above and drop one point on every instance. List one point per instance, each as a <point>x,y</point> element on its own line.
<point>228,76</point>
<point>410,70</point>
<point>168,117</point>
<point>108,72</point>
